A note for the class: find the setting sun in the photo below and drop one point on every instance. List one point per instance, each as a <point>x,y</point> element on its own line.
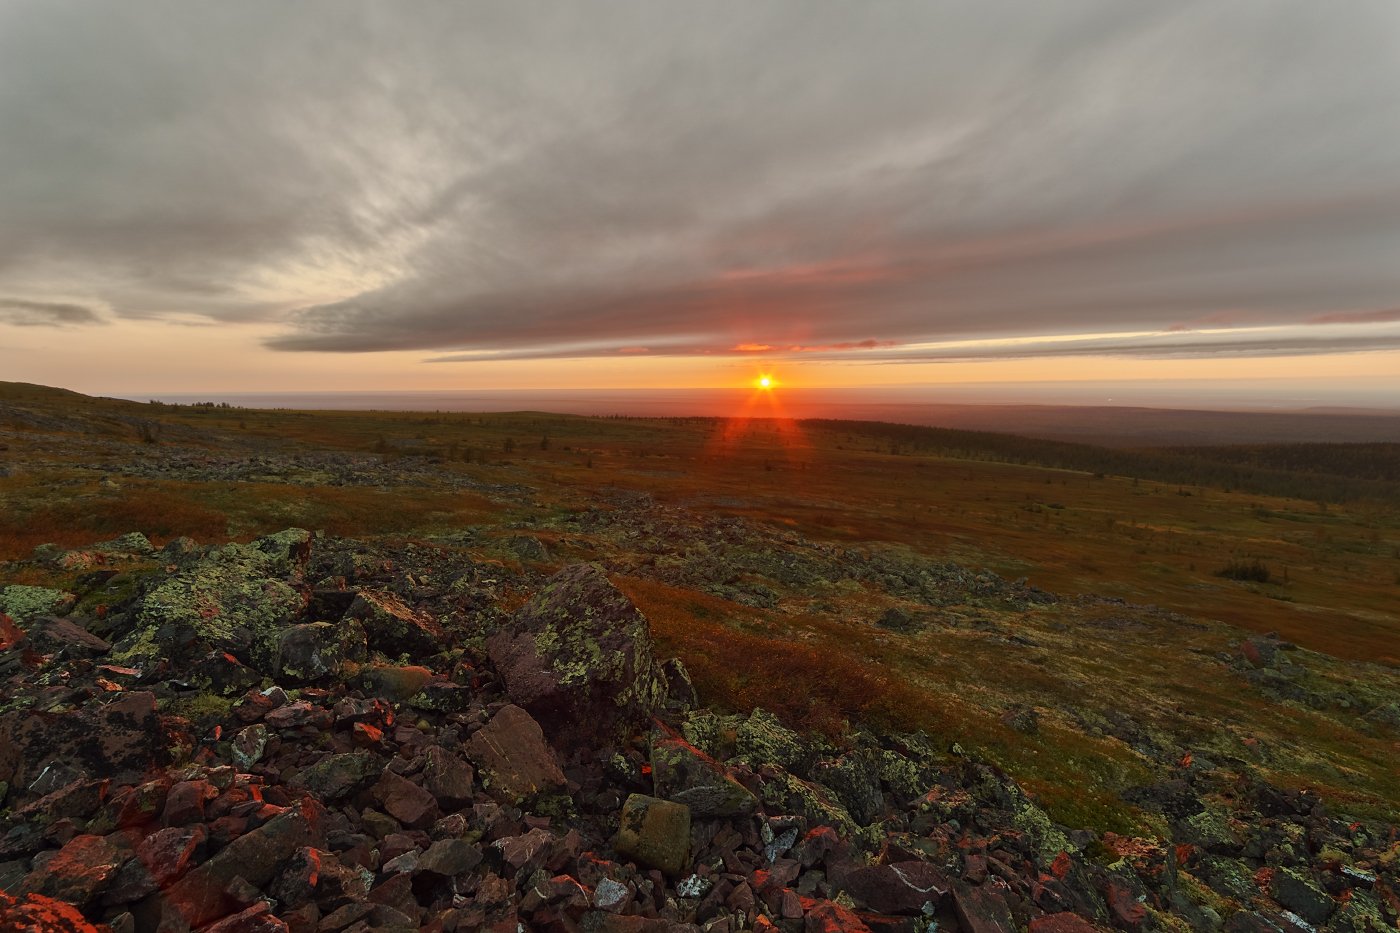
<point>765,382</point>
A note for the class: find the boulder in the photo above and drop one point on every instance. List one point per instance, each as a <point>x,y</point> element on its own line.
<point>318,650</point>
<point>236,599</point>
<point>579,658</point>
<point>899,887</point>
<point>513,758</point>
<point>121,740</point>
<point>25,603</point>
<point>682,773</point>
<point>655,833</point>
<point>395,629</point>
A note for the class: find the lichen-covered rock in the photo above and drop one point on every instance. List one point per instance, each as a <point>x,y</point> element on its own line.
<point>24,603</point>
<point>684,774</point>
<point>235,599</point>
<point>855,780</point>
<point>579,658</point>
<point>318,650</point>
<point>133,542</point>
<point>788,793</point>
<point>655,833</point>
<point>394,628</point>
<point>763,740</point>
<point>337,776</point>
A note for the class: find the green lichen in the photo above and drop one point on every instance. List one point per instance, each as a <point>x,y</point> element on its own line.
<point>23,603</point>
<point>234,598</point>
<point>790,794</point>
<point>711,732</point>
<point>763,740</point>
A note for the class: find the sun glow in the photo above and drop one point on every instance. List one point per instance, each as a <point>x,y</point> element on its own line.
<point>765,381</point>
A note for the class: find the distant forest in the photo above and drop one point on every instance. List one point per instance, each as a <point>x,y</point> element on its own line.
<point>1317,472</point>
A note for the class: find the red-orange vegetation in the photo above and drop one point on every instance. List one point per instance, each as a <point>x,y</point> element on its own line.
<point>807,684</point>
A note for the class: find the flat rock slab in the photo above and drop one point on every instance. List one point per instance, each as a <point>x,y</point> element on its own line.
<point>513,757</point>
<point>121,740</point>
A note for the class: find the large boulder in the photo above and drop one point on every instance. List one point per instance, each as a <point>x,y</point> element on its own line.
<point>684,774</point>
<point>318,650</point>
<point>42,751</point>
<point>236,599</point>
<point>579,658</point>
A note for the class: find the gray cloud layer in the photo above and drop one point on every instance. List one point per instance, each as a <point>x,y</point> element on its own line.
<point>45,313</point>
<point>543,180</point>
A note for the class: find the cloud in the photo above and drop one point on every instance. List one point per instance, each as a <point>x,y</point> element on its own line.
<point>516,181</point>
<point>45,313</point>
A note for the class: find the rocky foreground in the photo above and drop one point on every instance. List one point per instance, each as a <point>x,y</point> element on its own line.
<point>313,734</point>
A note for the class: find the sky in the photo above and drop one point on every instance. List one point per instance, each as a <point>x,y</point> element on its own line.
<point>333,195</point>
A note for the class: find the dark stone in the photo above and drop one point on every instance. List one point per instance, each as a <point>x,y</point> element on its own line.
<point>514,760</point>
<point>449,857</point>
<point>579,658</point>
<point>1301,895</point>
<point>898,888</point>
<point>338,776</point>
<point>121,740</point>
<point>394,628</point>
<point>405,801</point>
<point>78,872</point>
<point>447,777</point>
<point>655,833</point>
<point>982,910</point>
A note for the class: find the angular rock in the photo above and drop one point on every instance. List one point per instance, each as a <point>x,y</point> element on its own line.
<point>682,773</point>
<point>447,777</point>
<point>318,650</point>
<point>655,833</point>
<point>898,887</point>
<point>982,910</point>
<point>209,892</point>
<point>79,872</point>
<point>449,857</point>
<point>1299,894</point>
<point>579,658</point>
<point>394,628</point>
<point>121,740</point>
<point>405,801</point>
<point>337,776</point>
<point>514,760</point>
<point>49,635</point>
